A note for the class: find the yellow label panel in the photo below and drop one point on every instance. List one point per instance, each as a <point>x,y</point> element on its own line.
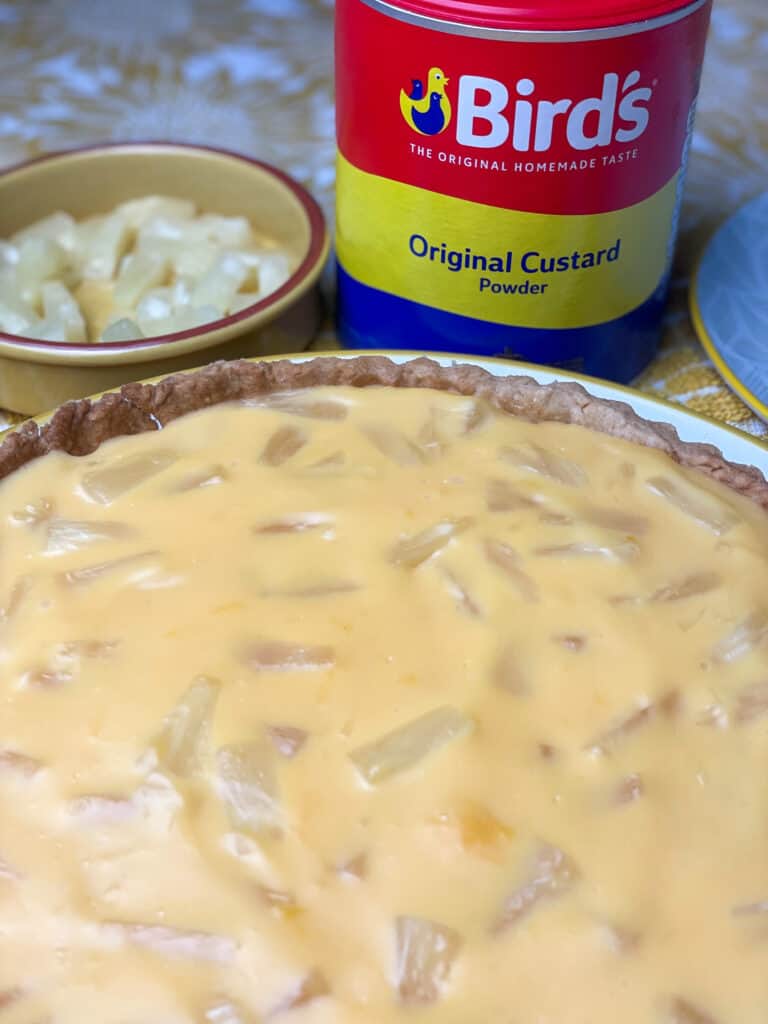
<point>508,267</point>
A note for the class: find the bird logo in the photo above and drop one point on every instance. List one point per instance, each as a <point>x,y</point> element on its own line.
<point>426,108</point>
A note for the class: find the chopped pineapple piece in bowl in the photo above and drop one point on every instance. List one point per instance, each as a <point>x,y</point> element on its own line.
<point>122,261</point>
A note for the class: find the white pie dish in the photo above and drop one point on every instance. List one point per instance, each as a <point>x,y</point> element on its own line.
<point>736,445</point>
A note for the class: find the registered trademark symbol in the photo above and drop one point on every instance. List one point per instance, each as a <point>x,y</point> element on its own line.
<point>655,82</point>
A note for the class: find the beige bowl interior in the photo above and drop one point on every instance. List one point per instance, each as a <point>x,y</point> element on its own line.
<point>94,181</point>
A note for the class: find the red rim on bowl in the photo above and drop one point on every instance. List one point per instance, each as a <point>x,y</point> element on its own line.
<point>317,234</point>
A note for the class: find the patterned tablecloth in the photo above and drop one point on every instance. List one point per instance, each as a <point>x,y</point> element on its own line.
<point>257,75</point>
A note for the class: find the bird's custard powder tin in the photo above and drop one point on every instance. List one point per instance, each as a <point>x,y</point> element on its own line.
<point>510,174</point>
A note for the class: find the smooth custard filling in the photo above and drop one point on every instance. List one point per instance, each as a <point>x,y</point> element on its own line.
<point>372,706</point>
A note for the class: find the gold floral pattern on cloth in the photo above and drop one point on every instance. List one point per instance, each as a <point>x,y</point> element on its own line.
<point>257,75</point>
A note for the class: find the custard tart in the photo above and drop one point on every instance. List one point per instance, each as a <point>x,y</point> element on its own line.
<point>353,692</point>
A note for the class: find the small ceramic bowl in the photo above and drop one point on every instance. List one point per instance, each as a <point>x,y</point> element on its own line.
<point>37,375</point>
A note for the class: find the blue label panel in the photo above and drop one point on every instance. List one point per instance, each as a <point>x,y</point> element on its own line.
<point>617,350</point>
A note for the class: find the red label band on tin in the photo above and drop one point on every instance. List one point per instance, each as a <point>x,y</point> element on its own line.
<point>526,179</point>
<point>549,127</point>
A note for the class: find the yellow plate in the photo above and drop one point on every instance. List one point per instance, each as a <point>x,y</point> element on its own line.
<point>729,303</point>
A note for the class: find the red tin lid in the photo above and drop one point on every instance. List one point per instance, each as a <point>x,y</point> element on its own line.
<point>542,15</point>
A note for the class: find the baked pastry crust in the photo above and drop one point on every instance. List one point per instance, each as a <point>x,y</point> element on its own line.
<point>80,427</point>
